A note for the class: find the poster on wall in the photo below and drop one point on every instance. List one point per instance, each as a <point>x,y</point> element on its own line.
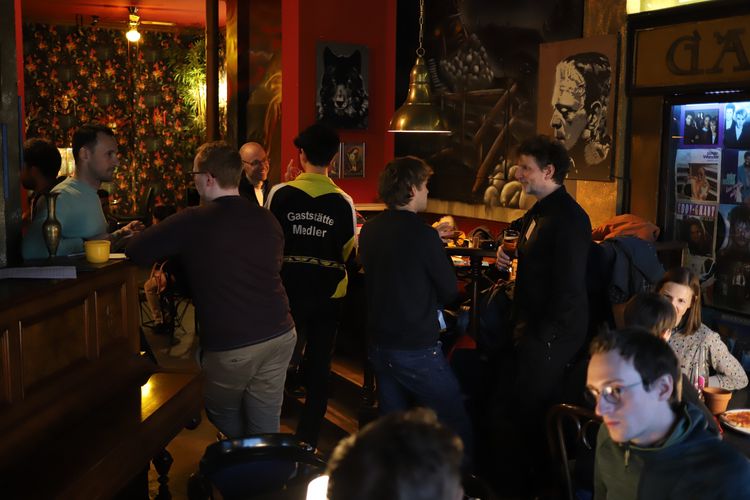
<point>732,290</point>
<point>697,174</point>
<point>577,101</point>
<point>342,100</point>
<point>737,125</point>
<point>696,226</point>
<point>700,125</point>
<point>735,180</point>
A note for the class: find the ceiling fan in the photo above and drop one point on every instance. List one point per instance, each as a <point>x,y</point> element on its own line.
<point>134,20</point>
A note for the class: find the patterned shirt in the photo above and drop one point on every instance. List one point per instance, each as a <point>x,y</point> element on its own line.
<point>729,372</point>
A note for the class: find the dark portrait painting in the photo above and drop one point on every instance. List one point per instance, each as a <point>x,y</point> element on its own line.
<point>342,71</point>
<point>577,102</point>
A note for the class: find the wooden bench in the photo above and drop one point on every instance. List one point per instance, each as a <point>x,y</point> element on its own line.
<point>82,413</point>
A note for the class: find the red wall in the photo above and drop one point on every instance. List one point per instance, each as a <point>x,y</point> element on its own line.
<point>304,23</point>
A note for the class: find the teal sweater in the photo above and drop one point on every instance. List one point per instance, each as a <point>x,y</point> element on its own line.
<point>81,218</point>
<point>692,463</point>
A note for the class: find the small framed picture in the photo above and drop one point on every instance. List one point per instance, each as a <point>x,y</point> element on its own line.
<point>334,172</point>
<point>353,159</point>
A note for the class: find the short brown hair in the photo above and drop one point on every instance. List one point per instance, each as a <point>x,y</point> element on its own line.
<point>403,455</point>
<point>399,177</point>
<point>651,356</point>
<point>684,276</point>
<point>650,311</point>
<point>221,161</point>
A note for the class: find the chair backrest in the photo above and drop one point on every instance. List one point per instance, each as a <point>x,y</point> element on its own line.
<point>571,434</point>
<point>258,464</point>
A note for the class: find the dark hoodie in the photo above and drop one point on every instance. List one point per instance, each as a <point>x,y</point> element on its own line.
<point>692,463</point>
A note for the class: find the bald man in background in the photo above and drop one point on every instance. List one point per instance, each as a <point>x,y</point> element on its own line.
<point>255,165</point>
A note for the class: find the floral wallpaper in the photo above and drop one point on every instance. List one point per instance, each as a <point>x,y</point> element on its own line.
<point>74,75</point>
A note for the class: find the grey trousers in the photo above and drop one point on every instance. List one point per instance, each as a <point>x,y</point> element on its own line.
<point>244,388</point>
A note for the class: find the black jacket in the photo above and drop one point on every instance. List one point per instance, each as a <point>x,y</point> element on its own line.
<point>550,300</point>
<point>407,275</point>
<point>693,463</point>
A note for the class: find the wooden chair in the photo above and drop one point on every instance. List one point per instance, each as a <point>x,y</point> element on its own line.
<point>571,434</point>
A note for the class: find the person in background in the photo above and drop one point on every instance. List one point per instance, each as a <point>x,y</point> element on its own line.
<point>41,163</point>
<point>401,456</point>
<point>550,306</point>
<point>254,180</point>
<point>78,207</point>
<point>738,136</point>
<point>690,337</point>
<point>655,314</point>
<point>652,445</point>
<point>407,276</point>
<point>319,241</point>
<point>231,252</point>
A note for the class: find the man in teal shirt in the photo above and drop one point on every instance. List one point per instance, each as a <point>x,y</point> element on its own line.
<point>78,208</point>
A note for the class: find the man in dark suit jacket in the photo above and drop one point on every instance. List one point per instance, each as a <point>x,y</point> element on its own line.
<point>254,183</point>
<point>739,135</point>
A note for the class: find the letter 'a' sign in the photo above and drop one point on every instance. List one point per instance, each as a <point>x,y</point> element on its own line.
<point>705,52</point>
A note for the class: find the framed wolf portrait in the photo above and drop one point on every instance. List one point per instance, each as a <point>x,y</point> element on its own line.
<point>342,74</point>
<point>577,80</point>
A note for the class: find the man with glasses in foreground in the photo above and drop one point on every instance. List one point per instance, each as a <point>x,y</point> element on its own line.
<point>231,252</point>
<point>255,165</point>
<point>653,445</point>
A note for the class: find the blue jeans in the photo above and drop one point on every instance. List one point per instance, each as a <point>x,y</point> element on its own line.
<point>421,377</point>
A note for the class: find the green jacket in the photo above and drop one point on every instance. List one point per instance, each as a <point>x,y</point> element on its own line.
<point>692,463</point>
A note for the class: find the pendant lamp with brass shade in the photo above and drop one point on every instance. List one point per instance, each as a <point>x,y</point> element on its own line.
<point>418,114</point>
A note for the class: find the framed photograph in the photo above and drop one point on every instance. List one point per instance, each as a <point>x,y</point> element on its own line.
<point>353,159</point>
<point>335,171</point>
<point>342,74</point>
<point>577,78</point>
<point>697,174</point>
<point>700,125</point>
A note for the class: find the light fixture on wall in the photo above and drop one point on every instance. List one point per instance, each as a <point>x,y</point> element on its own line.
<point>133,21</point>
<point>418,113</point>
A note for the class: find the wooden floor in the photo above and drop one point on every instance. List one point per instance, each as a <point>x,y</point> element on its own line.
<point>188,447</point>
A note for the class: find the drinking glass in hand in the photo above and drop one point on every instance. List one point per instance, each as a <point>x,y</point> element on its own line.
<point>510,242</point>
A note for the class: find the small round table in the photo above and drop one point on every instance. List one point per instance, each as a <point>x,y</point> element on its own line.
<point>475,255</point>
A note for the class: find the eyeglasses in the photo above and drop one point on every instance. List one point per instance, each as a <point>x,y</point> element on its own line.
<point>193,174</point>
<point>256,163</point>
<point>612,394</point>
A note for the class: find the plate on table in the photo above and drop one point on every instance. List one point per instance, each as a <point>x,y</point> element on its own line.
<point>738,420</point>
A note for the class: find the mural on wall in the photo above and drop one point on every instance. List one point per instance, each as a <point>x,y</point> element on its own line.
<point>483,61</point>
<point>264,106</point>
<point>577,102</point>
<point>74,75</point>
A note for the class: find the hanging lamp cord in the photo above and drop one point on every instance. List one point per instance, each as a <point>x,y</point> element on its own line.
<point>420,50</point>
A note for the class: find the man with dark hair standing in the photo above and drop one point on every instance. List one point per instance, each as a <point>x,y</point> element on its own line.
<point>404,455</point>
<point>78,207</point>
<point>550,304</point>
<point>41,164</point>
<point>319,224</point>
<point>407,277</point>
<point>653,445</point>
<point>253,183</point>
<point>231,252</point>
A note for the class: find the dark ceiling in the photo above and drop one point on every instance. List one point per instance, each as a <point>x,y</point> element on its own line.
<point>112,13</point>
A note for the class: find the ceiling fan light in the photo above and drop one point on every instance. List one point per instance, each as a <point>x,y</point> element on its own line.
<point>132,35</point>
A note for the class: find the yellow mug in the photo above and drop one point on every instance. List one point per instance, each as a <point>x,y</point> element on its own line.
<point>97,251</point>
